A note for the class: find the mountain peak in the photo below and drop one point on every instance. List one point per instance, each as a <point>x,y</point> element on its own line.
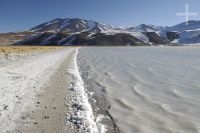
<point>192,25</point>
<point>144,28</point>
<point>66,25</point>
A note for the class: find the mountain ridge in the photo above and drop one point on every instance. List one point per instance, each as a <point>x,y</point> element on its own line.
<point>70,31</point>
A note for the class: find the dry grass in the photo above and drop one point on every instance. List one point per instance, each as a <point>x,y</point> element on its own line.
<point>25,49</point>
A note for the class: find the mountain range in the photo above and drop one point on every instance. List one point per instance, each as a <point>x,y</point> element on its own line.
<point>76,31</point>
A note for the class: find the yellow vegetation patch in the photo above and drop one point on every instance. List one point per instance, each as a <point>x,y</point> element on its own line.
<point>26,49</point>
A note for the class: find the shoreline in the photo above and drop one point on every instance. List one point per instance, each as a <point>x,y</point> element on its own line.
<point>81,112</point>
<point>98,100</point>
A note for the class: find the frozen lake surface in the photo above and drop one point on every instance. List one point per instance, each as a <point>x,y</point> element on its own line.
<point>149,89</point>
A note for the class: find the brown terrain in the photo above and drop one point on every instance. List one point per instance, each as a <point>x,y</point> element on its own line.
<point>9,54</point>
<point>11,38</point>
<point>25,49</point>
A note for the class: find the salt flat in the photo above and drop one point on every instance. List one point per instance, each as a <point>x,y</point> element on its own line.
<point>149,89</point>
<point>33,92</point>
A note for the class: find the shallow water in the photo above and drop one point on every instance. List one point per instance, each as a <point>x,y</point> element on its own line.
<point>150,89</point>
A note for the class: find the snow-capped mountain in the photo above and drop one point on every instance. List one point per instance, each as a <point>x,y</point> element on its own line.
<point>154,33</point>
<point>146,28</point>
<point>186,33</point>
<point>76,31</point>
<point>192,25</point>
<point>71,31</point>
<point>70,25</point>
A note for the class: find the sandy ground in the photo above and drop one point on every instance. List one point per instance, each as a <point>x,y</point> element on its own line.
<point>33,91</point>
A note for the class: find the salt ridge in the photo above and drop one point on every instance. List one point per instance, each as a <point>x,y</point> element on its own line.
<point>81,113</point>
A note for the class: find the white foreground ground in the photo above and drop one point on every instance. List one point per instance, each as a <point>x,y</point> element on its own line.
<point>146,90</point>
<point>22,86</point>
<point>33,95</point>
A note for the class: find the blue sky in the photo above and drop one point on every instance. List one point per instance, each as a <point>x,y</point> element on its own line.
<point>24,14</point>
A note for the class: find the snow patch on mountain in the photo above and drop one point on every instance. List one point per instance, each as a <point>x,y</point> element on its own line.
<point>113,31</point>
<point>91,24</point>
<point>47,40</point>
<point>188,33</point>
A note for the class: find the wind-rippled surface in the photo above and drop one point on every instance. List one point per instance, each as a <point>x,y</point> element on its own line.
<point>150,89</point>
